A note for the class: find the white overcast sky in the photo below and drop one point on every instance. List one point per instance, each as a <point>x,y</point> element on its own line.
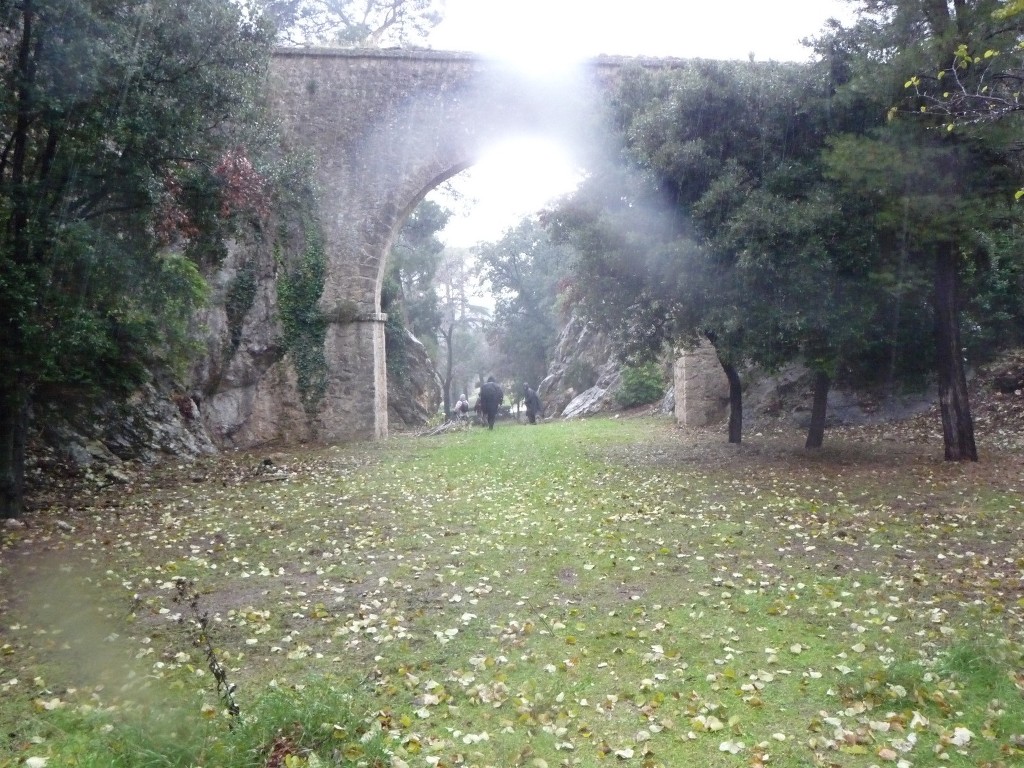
<point>520,176</point>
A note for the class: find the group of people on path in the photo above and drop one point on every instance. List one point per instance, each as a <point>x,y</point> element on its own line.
<point>490,399</point>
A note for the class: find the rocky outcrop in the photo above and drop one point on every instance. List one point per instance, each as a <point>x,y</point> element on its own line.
<point>414,392</point>
<point>788,393</point>
<point>250,394</point>
<point>241,391</point>
<point>244,381</point>
<point>155,422</point>
<point>583,374</point>
<point>589,402</point>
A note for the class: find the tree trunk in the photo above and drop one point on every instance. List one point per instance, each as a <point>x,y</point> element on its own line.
<point>735,403</point>
<point>447,393</point>
<point>14,410</point>
<point>954,405</point>
<point>816,432</point>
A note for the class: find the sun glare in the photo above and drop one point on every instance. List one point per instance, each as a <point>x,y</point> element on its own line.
<point>547,39</point>
<point>512,180</point>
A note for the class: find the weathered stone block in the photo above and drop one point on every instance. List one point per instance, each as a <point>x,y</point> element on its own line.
<point>701,387</point>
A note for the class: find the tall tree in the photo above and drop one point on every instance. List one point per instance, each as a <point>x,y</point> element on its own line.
<point>525,271</point>
<point>351,23</point>
<point>120,159</point>
<point>961,178</point>
<point>726,228</point>
<point>461,316</point>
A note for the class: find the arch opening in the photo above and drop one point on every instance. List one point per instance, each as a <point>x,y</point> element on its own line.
<point>513,178</point>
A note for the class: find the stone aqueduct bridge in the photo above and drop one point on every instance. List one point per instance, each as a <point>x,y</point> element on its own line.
<point>384,128</point>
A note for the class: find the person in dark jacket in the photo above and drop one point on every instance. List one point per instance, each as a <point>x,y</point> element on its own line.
<point>533,406</point>
<point>491,396</point>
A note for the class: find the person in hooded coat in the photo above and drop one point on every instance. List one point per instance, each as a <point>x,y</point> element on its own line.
<point>491,397</point>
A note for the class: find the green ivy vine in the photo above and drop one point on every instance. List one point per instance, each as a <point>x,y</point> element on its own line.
<point>240,295</point>
<point>305,327</point>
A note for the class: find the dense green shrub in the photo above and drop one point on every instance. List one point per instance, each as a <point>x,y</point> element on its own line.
<point>640,385</point>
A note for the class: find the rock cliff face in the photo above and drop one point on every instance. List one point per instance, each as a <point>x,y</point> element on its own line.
<point>583,374</point>
<point>157,420</point>
<point>787,395</point>
<point>702,396</point>
<point>249,388</point>
<point>241,391</point>
<point>250,393</point>
<point>414,393</point>
<point>244,380</point>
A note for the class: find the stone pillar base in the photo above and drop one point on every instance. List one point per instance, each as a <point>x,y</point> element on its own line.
<point>701,387</point>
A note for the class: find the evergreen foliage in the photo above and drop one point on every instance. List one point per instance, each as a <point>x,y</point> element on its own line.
<point>408,295</point>
<point>305,327</point>
<point>950,190</point>
<point>641,384</point>
<point>772,208</point>
<point>120,170</point>
<point>526,272</point>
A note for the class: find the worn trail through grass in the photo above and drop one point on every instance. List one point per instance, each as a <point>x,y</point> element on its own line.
<point>586,593</point>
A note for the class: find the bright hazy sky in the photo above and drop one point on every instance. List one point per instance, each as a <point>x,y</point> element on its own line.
<point>517,178</point>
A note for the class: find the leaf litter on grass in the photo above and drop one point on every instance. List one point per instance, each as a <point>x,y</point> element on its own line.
<point>587,593</point>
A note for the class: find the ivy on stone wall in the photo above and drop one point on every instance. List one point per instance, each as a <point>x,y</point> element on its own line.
<point>305,327</point>
<point>240,295</point>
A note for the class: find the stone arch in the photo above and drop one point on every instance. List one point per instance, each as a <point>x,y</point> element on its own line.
<point>410,206</point>
<point>384,128</point>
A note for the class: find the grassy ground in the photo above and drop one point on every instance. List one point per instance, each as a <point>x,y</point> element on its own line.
<point>607,592</point>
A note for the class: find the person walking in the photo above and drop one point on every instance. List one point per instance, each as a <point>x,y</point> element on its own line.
<point>533,404</point>
<point>491,397</point>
